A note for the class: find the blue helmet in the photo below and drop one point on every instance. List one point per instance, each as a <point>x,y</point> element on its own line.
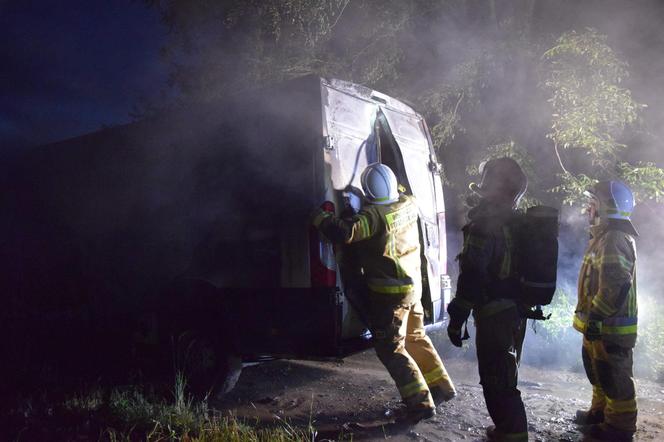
<point>380,184</point>
<point>614,199</point>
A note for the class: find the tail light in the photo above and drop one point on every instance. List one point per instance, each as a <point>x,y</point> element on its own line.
<point>322,263</point>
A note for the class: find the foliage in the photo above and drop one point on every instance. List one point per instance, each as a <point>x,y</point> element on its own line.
<point>470,67</point>
<point>591,110</point>
<point>590,107</point>
<point>645,179</point>
<point>571,187</point>
<point>557,327</point>
<point>184,418</point>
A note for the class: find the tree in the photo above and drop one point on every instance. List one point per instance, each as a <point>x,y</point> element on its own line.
<point>591,111</point>
<point>471,67</point>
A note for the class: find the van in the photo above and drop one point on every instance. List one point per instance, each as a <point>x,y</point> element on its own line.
<point>194,226</point>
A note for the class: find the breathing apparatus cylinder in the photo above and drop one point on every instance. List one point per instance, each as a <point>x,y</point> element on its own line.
<point>538,266</point>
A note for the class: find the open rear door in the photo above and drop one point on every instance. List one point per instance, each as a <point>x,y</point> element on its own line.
<point>422,172</point>
<point>352,119</point>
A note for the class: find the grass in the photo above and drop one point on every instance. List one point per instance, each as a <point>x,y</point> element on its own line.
<point>150,418</point>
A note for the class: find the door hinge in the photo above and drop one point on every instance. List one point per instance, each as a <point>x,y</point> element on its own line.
<point>328,142</point>
<point>435,167</point>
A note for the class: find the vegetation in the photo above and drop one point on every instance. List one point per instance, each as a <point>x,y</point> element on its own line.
<point>488,82</point>
<point>140,412</point>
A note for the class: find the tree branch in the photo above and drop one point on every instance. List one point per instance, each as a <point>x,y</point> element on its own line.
<point>560,160</point>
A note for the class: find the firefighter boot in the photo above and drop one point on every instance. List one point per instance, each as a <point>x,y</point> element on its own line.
<point>410,416</point>
<point>605,431</point>
<point>419,407</point>
<point>591,417</point>
<point>440,394</point>
<point>493,434</point>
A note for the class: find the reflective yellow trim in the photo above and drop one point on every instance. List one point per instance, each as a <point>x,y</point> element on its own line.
<point>411,389</point>
<point>614,406</point>
<point>434,376</point>
<point>580,325</point>
<point>619,330</point>
<point>616,259</point>
<point>604,308</point>
<point>391,289</point>
<point>365,231</point>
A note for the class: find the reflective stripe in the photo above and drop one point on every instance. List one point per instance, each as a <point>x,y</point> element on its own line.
<point>614,406</point>
<point>392,289</point>
<point>412,388</point>
<point>624,330</point>
<point>579,324</point>
<point>365,231</point>
<point>604,308</point>
<point>616,259</point>
<point>610,326</point>
<point>434,376</point>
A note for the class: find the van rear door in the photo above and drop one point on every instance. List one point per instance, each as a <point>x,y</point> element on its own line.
<point>422,171</point>
<point>351,116</point>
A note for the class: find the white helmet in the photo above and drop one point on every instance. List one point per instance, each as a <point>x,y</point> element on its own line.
<point>614,200</point>
<point>380,184</point>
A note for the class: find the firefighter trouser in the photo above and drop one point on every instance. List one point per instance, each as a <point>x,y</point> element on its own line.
<point>609,370</point>
<point>401,344</point>
<point>499,342</point>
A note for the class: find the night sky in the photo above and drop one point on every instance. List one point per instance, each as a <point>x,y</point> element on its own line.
<point>68,68</point>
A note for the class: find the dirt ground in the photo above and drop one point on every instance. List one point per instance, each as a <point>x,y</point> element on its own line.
<point>351,398</point>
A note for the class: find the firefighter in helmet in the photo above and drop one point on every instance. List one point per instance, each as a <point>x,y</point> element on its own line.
<point>388,249</point>
<point>606,312</point>
<point>489,286</point>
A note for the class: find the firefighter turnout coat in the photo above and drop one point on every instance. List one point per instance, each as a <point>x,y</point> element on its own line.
<point>388,250</point>
<point>607,293</point>
<point>489,285</point>
<point>607,285</point>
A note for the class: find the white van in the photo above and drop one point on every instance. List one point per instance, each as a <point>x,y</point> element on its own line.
<point>202,217</point>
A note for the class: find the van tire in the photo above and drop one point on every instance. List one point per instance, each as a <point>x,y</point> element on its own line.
<point>209,369</point>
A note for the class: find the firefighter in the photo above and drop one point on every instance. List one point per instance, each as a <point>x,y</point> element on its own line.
<point>489,286</point>
<point>606,312</point>
<point>388,250</point>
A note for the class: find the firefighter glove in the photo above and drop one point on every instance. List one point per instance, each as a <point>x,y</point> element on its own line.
<point>454,335</point>
<point>593,330</point>
<point>318,216</point>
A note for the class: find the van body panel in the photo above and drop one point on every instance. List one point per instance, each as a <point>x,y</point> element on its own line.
<point>103,225</point>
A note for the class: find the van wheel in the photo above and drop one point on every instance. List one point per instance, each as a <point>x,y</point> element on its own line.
<point>207,368</point>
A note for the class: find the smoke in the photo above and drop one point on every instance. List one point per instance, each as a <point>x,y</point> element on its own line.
<point>475,71</point>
